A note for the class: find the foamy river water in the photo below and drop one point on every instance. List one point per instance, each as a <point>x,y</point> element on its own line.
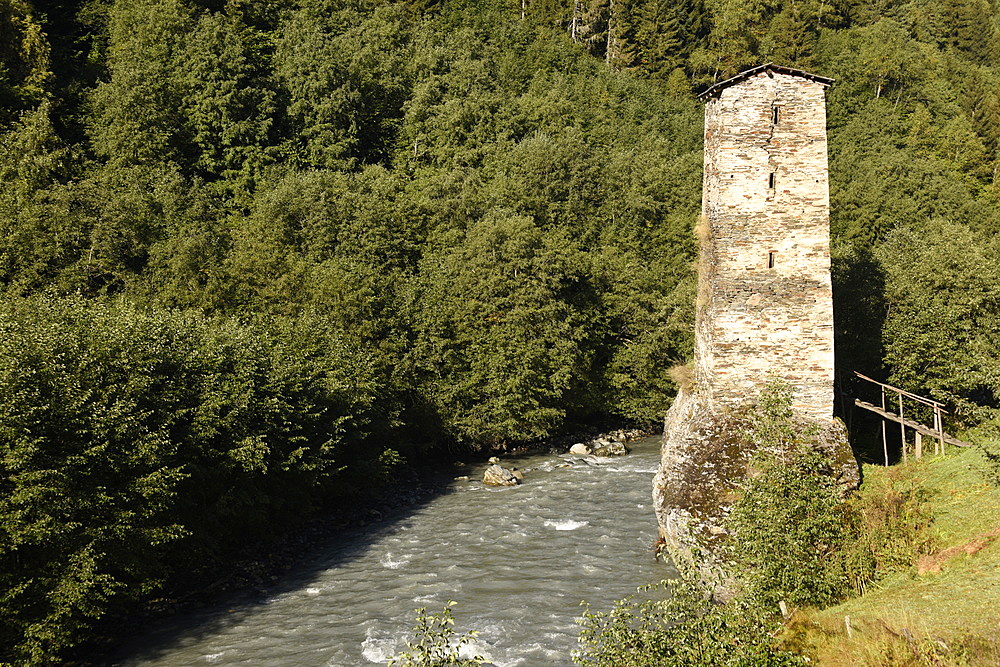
<point>517,560</point>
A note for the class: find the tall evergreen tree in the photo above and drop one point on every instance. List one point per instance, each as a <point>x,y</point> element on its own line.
<point>24,59</point>
<point>788,40</point>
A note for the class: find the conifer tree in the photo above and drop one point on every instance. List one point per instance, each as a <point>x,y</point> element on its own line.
<point>967,27</point>
<point>788,40</point>
<point>660,34</point>
<point>24,59</point>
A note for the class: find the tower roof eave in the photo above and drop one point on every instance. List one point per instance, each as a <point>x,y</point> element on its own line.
<point>771,67</point>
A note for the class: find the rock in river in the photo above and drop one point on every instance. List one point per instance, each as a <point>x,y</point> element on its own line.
<point>497,475</point>
<point>580,449</point>
<point>615,448</point>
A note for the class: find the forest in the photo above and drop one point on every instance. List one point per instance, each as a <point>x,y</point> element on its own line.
<point>256,256</point>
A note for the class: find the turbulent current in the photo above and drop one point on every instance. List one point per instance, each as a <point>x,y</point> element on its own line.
<point>518,561</point>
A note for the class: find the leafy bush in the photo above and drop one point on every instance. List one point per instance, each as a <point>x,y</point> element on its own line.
<point>786,525</point>
<point>138,444</point>
<point>795,538</point>
<point>986,438</point>
<point>684,629</point>
<point>883,527</point>
<point>786,530</point>
<point>434,643</point>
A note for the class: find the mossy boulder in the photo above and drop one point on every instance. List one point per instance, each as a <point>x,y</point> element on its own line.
<point>706,456</point>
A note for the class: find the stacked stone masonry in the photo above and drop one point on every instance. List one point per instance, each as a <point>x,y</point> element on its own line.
<point>765,300</point>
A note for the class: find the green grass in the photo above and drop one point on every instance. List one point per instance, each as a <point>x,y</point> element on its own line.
<point>945,617</point>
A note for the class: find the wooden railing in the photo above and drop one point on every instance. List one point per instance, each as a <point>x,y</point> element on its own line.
<point>885,412</point>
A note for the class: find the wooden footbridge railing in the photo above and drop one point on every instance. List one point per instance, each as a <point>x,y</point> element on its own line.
<point>886,413</point>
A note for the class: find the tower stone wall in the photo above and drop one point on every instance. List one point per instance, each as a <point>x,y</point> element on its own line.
<point>765,305</point>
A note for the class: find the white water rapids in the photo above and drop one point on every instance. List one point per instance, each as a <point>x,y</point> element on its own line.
<point>517,560</point>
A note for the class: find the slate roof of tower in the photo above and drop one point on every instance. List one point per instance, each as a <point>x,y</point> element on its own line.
<point>769,67</point>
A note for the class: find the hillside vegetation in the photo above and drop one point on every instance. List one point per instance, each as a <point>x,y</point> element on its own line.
<point>943,605</point>
<point>903,571</point>
<point>255,254</point>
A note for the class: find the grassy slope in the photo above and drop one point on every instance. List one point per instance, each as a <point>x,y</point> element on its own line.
<point>960,601</point>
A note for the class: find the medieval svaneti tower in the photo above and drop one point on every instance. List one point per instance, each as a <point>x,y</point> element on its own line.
<point>765,302</point>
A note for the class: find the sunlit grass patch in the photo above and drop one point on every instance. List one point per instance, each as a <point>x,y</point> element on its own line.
<point>944,608</point>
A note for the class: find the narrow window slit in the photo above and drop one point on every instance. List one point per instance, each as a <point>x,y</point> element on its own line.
<point>770,259</point>
<point>774,115</point>
<point>770,181</point>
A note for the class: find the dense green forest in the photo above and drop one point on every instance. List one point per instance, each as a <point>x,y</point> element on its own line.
<point>254,255</point>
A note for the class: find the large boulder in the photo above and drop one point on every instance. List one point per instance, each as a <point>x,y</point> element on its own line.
<point>580,449</point>
<point>704,459</point>
<point>497,475</point>
<point>614,448</point>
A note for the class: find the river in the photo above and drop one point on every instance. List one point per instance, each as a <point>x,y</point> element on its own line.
<point>518,561</point>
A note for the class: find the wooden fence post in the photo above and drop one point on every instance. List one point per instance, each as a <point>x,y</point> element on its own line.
<point>885,446</point>
<point>918,444</point>
<point>902,428</point>
<point>939,426</point>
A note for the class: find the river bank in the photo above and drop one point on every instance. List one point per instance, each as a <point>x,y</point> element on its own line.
<point>942,605</point>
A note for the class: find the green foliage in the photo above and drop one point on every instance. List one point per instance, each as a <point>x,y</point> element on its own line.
<point>445,222</point>
<point>770,424</point>
<point>25,74</point>
<point>786,529</point>
<point>681,627</point>
<point>884,524</point>
<point>136,113</point>
<point>986,438</point>
<point>503,341</point>
<point>795,539</point>
<point>139,444</point>
<point>786,526</point>
<point>40,238</point>
<point>346,71</point>
<point>654,326</point>
<point>434,643</point>
<point>943,330</point>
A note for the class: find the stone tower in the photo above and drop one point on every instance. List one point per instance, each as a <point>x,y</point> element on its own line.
<point>765,305</point>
